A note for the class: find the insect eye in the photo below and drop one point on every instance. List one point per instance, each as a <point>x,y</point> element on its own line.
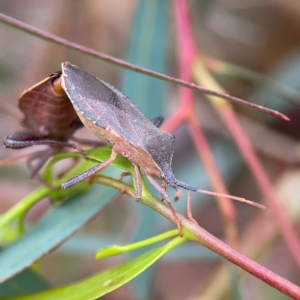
<point>125,154</point>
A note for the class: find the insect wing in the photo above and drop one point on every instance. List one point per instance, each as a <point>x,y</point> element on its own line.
<point>80,85</point>
<point>103,104</point>
<point>47,113</point>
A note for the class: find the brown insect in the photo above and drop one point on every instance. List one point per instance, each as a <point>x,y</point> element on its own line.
<point>115,120</point>
<point>49,118</point>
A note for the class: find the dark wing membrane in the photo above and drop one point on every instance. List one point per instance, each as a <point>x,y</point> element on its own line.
<point>47,113</point>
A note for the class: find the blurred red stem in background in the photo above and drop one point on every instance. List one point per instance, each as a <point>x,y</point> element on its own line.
<point>226,206</point>
<point>244,262</point>
<point>187,53</point>
<point>262,180</point>
<point>229,118</point>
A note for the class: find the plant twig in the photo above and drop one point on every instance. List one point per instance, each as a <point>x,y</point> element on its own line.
<point>186,56</point>
<point>195,232</point>
<point>229,118</point>
<point>63,42</point>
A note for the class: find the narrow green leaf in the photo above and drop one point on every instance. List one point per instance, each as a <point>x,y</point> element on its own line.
<point>19,210</point>
<point>102,283</point>
<point>61,222</point>
<point>147,48</point>
<point>26,282</point>
<point>119,249</point>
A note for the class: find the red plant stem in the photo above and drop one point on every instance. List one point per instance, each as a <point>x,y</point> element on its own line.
<point>187,53</point>
<point>175,120</point>
<point>193,231</point>
<point>60,41</point>
<point>262,180</point>
<point>252,267</point>
<point>226,207</point>
<point>226,113</point>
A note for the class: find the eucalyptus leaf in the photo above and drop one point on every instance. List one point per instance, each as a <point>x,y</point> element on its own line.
<point>102,283</point>
<point>147,48</point>
<point>120,249</point>
<point>59,224</point>
<point>27,281</point>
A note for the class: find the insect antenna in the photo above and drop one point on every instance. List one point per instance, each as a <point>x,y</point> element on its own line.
<point>191,188</point>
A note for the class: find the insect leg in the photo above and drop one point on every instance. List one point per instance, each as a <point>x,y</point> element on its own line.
<point>138,183</point>
<point>42,158</point>
<point>128,191</point>
<point>123,174</point>
<point>178,195</point>
<point>89,173</point>
<point>23,139</point>
<point>20,139</point>
<point>189,208</point>
<point>167,199</point>
<point>178,192</point>
<point>87,142</point>
<point>75,146</point>
<point>157,121</point>
<point>59,144</point>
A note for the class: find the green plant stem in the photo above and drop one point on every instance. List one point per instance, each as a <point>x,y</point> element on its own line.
<point>194,232</point>
<point>98,285</point>
<point>119,249</point>
<point>63,42</point>
<point>21,208</point>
